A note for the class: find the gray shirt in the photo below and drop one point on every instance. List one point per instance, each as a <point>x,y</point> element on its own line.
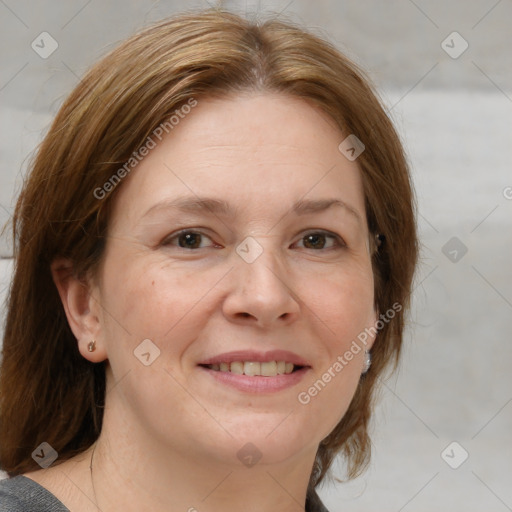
<point>21,494</point>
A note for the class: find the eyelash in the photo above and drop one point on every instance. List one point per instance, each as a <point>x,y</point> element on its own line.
<point>338,241</point>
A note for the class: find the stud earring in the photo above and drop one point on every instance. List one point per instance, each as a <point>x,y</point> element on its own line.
<point>367,362</point>
<point>91,347</point>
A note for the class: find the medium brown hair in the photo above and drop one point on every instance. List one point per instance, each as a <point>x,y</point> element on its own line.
<point>48,392</point>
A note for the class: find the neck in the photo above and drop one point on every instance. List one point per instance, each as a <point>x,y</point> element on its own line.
<point>142,477</point>
<point>132,470</point>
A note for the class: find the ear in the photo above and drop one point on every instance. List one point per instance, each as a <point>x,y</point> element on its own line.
<point>81,309</point>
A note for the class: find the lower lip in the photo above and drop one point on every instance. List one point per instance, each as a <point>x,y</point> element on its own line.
<point>258,384</point>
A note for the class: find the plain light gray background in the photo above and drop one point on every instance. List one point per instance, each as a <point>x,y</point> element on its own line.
<point>455,115</point>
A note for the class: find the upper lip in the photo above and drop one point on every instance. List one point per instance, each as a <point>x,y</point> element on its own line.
<point>256,356</point>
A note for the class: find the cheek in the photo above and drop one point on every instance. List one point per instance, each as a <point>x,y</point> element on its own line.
<point>344,301</point>
<point>344,306</point>
<point>152,299</point>
<point>148,300</point>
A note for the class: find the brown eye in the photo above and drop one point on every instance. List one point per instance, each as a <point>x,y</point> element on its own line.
<point>318,240</point>
<point>314,241</point>
<point>188,240</point>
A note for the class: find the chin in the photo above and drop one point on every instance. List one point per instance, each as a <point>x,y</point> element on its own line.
<point>273,437</point>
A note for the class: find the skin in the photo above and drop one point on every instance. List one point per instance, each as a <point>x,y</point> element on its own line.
<point>171,432</point>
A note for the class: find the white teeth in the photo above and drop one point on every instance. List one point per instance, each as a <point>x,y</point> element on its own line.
<point>254,368</point>
<point>269,369</point>
<point>237,367</point>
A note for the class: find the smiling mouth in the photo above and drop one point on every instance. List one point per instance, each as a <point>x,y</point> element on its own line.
<point>254,368</point>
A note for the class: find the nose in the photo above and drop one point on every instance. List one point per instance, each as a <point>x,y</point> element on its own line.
<point>260,293</point>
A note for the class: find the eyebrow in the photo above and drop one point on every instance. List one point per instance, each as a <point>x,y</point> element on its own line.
<point>195,204</point>
<point>303,207</point>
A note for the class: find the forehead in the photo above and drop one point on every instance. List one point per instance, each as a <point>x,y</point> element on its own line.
<point>258,152</point>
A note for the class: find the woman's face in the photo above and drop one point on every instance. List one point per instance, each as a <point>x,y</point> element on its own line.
<point>239,243</point>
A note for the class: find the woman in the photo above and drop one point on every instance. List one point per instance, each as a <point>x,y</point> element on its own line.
<point>215,240</point>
